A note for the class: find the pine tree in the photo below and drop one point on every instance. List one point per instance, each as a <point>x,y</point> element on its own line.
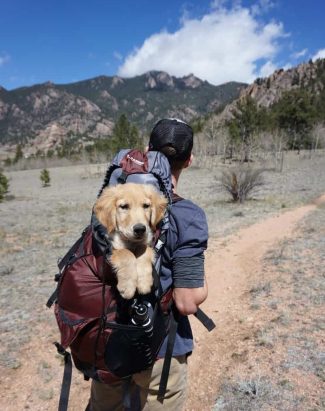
<point>125,135</point>
<point>4,186</point>
<point>244,126</point>
<point>19,153</point>
<point>45,177</point>
<point>295,113</point>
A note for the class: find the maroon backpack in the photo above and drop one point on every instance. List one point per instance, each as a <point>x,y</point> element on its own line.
<point>109,337</point>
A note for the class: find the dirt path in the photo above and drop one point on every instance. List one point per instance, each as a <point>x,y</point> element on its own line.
<point>232,266</point>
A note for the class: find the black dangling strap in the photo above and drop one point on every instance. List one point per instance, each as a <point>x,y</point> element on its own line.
<point>126,395</point>
<point>168,357</point>
<point>66,380</point>
<point>205,320</point>
<point>52,298</point>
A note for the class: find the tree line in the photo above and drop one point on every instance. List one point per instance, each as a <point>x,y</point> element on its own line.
<point>289,124</point>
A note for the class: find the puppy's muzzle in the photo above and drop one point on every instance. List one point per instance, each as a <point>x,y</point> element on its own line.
<point>139,230</point>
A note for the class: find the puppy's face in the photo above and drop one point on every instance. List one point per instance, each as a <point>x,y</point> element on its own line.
<point>131,210</point>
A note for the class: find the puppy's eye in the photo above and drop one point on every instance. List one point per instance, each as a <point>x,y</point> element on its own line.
<point>146,205</point>
<point>124,206</point>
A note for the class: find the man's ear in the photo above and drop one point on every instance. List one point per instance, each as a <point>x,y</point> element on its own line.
<point>105,209</point>
<point>189,161</point>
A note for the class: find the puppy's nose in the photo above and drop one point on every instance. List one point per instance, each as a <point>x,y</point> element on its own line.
<point>139,229</point>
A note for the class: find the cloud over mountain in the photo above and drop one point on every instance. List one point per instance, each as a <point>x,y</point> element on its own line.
<point>319,55</point>
<point>224,45</point>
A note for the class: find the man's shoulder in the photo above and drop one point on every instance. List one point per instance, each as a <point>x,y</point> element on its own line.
<point>183,205</point>
<point>188,233</point>
<point>188,214</point>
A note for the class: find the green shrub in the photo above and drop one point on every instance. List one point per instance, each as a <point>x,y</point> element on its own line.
<point>4,186</point>
<point>45,177</point>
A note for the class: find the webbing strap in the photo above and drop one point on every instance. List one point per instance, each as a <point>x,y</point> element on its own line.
<point>126,394</point>
<point>168,357</point>
<point>63,262</point>
<point>52,298</point>
<point>66,380</point>
<point>122,178</point>
<point>205,320</point>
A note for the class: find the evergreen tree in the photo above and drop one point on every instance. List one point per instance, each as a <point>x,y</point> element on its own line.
<point>295,113</point>
<point>4,186</point>
<point>125,135</point>
<point>19,153</point>
<point>243,128</point>
<point>45,177</point>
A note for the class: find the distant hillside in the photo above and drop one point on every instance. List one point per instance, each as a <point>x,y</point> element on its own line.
<point>289,105</point>
<point>46,115</point>
<point>267,91</point>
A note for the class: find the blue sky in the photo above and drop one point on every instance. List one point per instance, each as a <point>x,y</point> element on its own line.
<point>217,40</point>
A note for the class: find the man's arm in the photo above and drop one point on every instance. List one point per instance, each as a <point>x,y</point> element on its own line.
<point>187,300</point>
<point>189,282</point>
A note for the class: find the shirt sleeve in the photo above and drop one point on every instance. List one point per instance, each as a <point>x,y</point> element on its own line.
<point>191,238</point>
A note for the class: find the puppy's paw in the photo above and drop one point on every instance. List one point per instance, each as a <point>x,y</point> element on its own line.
<point>144,270</point>
<point>144,287</point>
<point>124,265</point>
<point>127,290</point>
<point>145,279</point>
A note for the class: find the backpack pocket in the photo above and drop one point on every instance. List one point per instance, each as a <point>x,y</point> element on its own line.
<point>131,349</point>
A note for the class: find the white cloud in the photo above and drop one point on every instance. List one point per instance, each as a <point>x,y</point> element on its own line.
<point>262,6</point>
<point>221,46</point>
<point>218,4</point>
<point>299,54</point>
<point>4,59</point>
<point>267,69</point>
<point>319,55</point>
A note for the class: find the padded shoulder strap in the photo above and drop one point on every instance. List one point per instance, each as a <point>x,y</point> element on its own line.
<point>176,198</point>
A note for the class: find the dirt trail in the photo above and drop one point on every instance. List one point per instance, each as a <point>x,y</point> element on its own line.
<point>232,266</point>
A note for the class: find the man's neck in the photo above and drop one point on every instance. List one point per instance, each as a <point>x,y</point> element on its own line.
<point>175,177</point>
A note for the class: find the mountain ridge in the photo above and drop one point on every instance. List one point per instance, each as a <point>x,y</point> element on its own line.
<point>87,109</point>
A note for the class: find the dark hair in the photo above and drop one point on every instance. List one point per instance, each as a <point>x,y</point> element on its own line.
<point>172,137</point>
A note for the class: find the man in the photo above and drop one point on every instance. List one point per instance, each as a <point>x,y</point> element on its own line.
<point>183,267</point>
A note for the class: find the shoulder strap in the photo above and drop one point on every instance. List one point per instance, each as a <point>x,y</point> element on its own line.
<point>176,198</point>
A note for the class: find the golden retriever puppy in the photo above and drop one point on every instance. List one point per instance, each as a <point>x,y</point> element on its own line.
<point>130,212</point>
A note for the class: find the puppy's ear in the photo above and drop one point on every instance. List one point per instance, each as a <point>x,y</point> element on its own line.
<point>105,209</point>
<point>158,208</point>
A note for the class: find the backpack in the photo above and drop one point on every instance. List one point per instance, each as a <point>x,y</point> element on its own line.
<point>109,337</point>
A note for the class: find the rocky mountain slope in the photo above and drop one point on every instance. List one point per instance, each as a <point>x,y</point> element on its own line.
<point>267,91</point>
<point>47,114</point>
<point>309,76</point>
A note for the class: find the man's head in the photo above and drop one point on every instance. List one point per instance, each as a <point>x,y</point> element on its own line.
<point>174,138</point>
